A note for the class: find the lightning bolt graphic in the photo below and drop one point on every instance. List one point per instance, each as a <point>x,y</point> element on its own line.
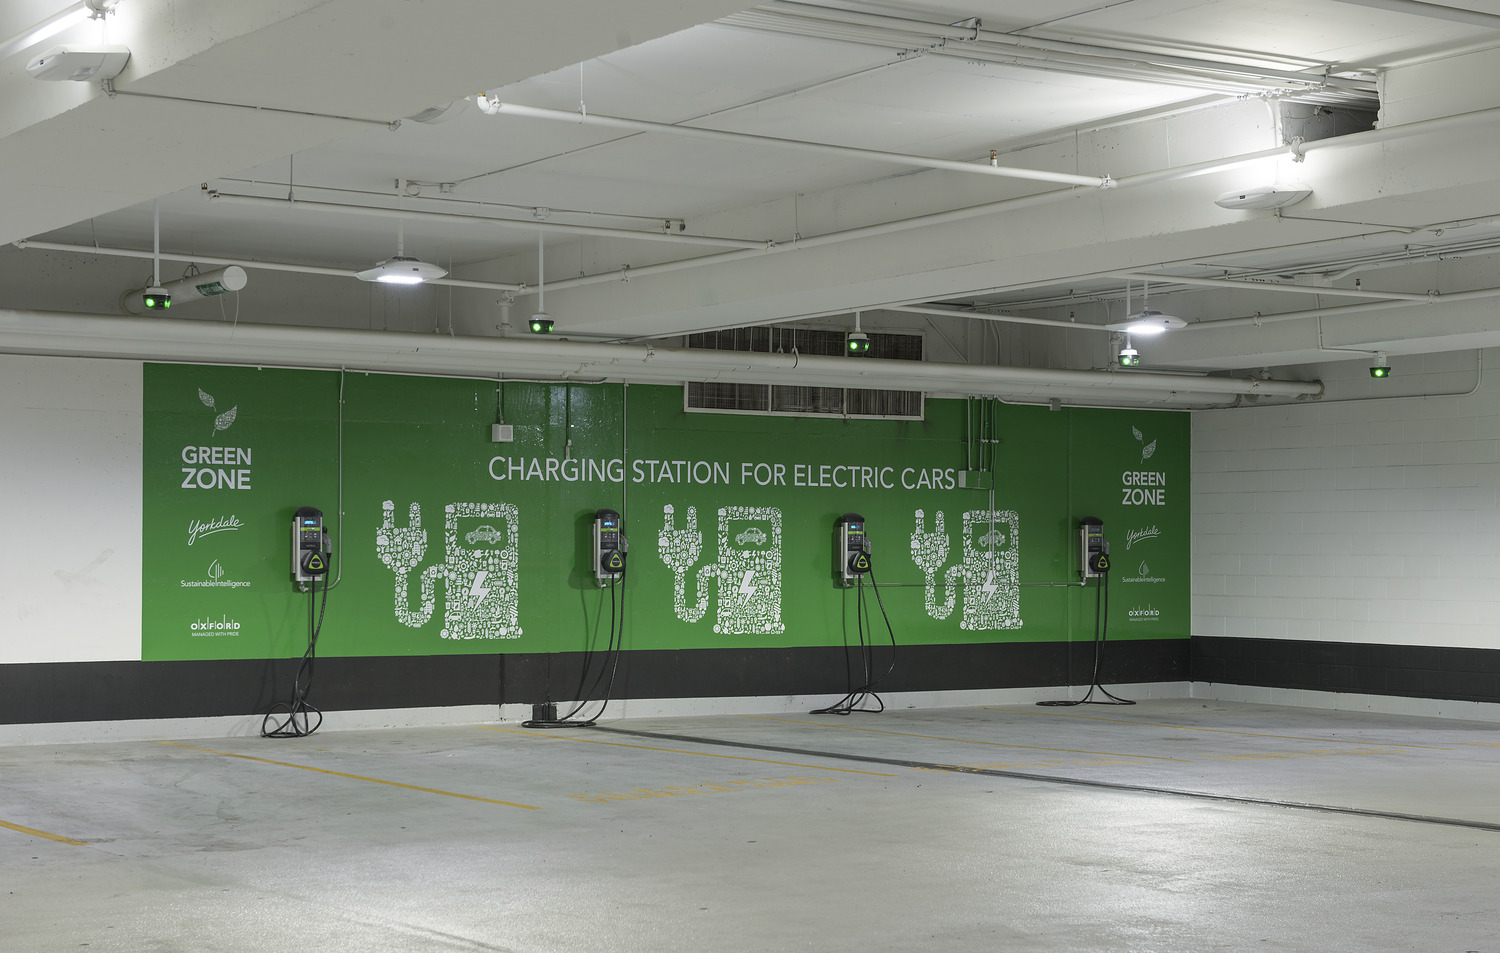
<point>747,586</point>
<point>479,590</point>
<point>989,584</point>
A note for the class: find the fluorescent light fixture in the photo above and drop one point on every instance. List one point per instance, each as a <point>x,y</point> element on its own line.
<point>79,63</point>
<point>400,270</point>
<point>1264,197</point>
<point>1148,322</point>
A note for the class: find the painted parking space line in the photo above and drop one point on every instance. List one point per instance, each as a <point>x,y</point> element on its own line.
<point>22,829</point>
<point>701,754</point>
<point>1079,782</point>
<point>355,777</point>
<point>1221,731</point>
<point>967,741</point>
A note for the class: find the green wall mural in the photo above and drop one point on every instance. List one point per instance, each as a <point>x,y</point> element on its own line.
<point>451,543</point>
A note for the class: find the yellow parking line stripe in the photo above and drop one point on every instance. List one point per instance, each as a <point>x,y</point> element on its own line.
<point>1222,731</point>
<point>703,754</point>
<point>36,833</point>
<point>354,777</point>
<point>967,741</point>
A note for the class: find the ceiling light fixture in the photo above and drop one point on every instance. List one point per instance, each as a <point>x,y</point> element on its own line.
<point>400,269</point>
<point>1264,197</point>
<point>1146,321</point>
<point>79,63</point>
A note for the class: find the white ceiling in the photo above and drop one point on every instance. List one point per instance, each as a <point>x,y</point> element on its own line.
<point>300,97</point>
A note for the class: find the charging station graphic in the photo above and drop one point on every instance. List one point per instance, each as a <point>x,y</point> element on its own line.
<point>748,570</point>
<point>481,579</point>
<point>989,573</point>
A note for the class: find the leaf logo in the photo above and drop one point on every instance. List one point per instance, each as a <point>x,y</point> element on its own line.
<point>215,571</point>
<point>1148,449</point>
<point>222,421</point>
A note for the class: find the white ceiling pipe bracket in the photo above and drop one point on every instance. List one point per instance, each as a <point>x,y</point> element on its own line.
<point>92,336</point>
<point>601,231</point>
<point>496,108</point>
<point>248,263</point>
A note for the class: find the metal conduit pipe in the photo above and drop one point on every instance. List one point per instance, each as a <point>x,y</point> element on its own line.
<point>1432,11</point>
<point>92,336</point>
<point>973,36</point>
<point>1259,319</point>
<point>1087,61</point>
<point>675,238</point>
<point>495,108</point>
<point>1386,134</point>
<point>1222,283</point>
<point>993,316</point>
<point>250,263</point>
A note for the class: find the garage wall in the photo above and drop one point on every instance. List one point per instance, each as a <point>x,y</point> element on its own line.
<point>1353,544</point>
<point>70,495</point>
<point>148,573</point>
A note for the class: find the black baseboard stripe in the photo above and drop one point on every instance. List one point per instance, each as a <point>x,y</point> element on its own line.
<point>1411,671</point>
<point>47,692</point>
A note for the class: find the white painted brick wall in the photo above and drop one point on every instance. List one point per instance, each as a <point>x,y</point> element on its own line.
<point>1356,520</point>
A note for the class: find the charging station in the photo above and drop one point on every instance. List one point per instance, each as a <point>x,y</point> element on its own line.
<point>608,560</point>
<point>312,547</point>
<point>610,547</point>
<point>312,553</point>
<point>1093,549</point>
<point>852,550</point>
<point>851,567</point>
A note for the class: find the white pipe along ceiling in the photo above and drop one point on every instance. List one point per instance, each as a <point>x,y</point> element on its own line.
<point>1001,179</point>
<point>132,338</point>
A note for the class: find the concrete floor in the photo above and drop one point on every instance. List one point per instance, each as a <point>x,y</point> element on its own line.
<point>496,838</point>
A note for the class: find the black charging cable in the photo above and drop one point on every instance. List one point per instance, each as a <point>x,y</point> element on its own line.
<point>861,699</point>
<point>611,664</point>
<point>1101,631</point>
<point>298,717</point>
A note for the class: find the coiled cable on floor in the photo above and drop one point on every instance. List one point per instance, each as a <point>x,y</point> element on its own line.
<point>298,717</point>
<point>860,699</point>
<point>611,663</point>
<point>1101,631</point>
